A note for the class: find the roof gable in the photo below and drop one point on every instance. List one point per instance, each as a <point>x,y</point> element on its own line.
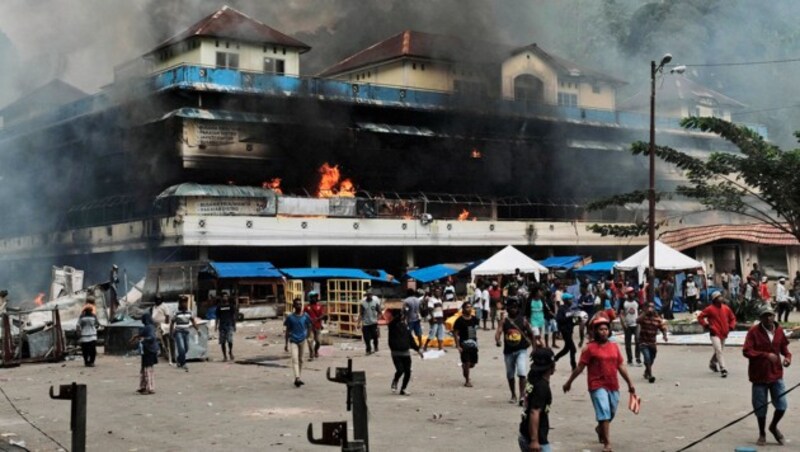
<point>678,89</point>
<point>416,44</point>
<point>232,24</point>
<point>52,94</point>
<point>566,67</point>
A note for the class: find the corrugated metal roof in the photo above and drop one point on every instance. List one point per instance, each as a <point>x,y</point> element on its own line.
<point>232,24</point>
<point>763,234</point>
<point>226,191</point>
<point>338,273</point>
<point>245,270</point>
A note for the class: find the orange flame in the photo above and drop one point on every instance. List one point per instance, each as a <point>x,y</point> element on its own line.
<point>476,153</point>
<point>330,184</point>
<point>39,300</point>
<point>463,215</point>
<point>273,184</point>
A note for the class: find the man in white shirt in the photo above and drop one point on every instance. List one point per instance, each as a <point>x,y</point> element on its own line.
<point>486,305</point>
<point>782,298</point>
<point>436,311</point>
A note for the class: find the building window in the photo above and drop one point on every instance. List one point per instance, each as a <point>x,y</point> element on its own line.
<point>228,60</point>
<point>596,88</point>
<point>284,50</point>
<point>567,99</point>
<point>274,66</point>
<point>422,66</point>
<point>414,66</point>
<point>217,43</point>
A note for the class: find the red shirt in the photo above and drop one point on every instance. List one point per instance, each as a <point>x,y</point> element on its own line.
<point>315,311</point>
<point>602,362</point>
<point>495,293</point>
<point>719,319</point>
<point>763,291</point>
<point>757,348</point>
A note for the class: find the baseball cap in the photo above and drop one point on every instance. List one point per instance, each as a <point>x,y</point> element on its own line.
<point>765,309</point>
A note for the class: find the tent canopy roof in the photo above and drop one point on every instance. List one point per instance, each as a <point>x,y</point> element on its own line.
<point>439,271</point>
<point>245,270</point>
<point>666,259</point>
<point>598,267</point>
<point>506,262</point>
<point>565,262</point>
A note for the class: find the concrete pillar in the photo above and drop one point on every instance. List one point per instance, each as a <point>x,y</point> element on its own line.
<point>202,253</point>
<point>620,257</point>
<point>408,257</point>
<point>313,256</point>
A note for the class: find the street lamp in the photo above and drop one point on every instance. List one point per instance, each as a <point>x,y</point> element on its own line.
<point>651,193</point>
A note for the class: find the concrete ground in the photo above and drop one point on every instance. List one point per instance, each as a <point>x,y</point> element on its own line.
<point>250,407</point>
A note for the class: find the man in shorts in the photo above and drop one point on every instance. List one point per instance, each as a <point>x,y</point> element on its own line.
<point>226,325</point>
<point>604,360</point>
<point>763,346</point>
<point>465,331</point>
<point>517,337</point>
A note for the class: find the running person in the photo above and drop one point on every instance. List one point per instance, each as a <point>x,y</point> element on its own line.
<point>465,331</point>
<point>517,337</point>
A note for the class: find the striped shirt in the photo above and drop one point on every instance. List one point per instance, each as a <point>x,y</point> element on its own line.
<point>182,320</point>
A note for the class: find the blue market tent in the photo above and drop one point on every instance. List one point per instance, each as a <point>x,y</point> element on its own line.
<point>338,273</point>
<point>562,262</point>
<point>245,270</point>
<point>598,267</point>
<point>439,271</point>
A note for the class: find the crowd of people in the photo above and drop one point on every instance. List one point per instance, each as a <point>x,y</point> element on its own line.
<point>530,320</point>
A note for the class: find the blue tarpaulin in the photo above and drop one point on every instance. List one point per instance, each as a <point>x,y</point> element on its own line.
<point>337,273</point>
<point>245,270</point>
<point>597,267</point>
<point>565,262</point>
<point>439,271</point>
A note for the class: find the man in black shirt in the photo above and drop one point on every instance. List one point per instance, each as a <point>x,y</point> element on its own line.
<point>535,423</point>
<point>226,325</point>
<point>517,337</point>
<point>465,330</point>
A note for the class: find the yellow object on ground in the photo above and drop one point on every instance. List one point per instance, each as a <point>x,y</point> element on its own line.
<point>447,342</point>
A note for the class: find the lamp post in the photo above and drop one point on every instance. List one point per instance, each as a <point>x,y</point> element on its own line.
<point>651,192</point>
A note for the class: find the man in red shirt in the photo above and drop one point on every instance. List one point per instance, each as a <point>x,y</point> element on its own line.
<point>604,360</point>
<point>317,314</point>
<point>718,319</point>
<point>763,347</point>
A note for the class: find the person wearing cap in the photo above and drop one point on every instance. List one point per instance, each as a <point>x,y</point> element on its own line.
<point>764,345</point>
<point>535,425</point>
<point>368,321</point>
<point>719,320</point>
<point>517,337</point>
<point>782,300</point>
<point>690,292</point>
<point>650,323</point>
<point>603,360</point>
<point>87,328</point>
<point>566,326</point>
<point>316,312</point>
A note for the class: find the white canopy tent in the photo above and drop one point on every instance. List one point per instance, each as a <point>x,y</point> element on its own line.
<point>666,259</point>
<point>506,262</point>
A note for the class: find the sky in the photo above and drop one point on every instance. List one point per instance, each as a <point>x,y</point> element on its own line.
<point>81,41</point>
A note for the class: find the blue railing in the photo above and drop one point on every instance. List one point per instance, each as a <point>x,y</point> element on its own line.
<point>228,80</point>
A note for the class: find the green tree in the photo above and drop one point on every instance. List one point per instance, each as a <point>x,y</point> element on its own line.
<point>760,182</point>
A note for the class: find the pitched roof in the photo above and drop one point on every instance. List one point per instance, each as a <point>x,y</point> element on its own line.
<point>677,89</point>
<point>52,94</point>
<point>567,67</point>
<point>410,43</point>
<point>762,234</point>
<point>232,24</point>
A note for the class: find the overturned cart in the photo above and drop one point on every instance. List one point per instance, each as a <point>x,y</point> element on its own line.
<point>26,344</point>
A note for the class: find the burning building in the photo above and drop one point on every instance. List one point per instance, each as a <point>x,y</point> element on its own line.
<point>212,146</point>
